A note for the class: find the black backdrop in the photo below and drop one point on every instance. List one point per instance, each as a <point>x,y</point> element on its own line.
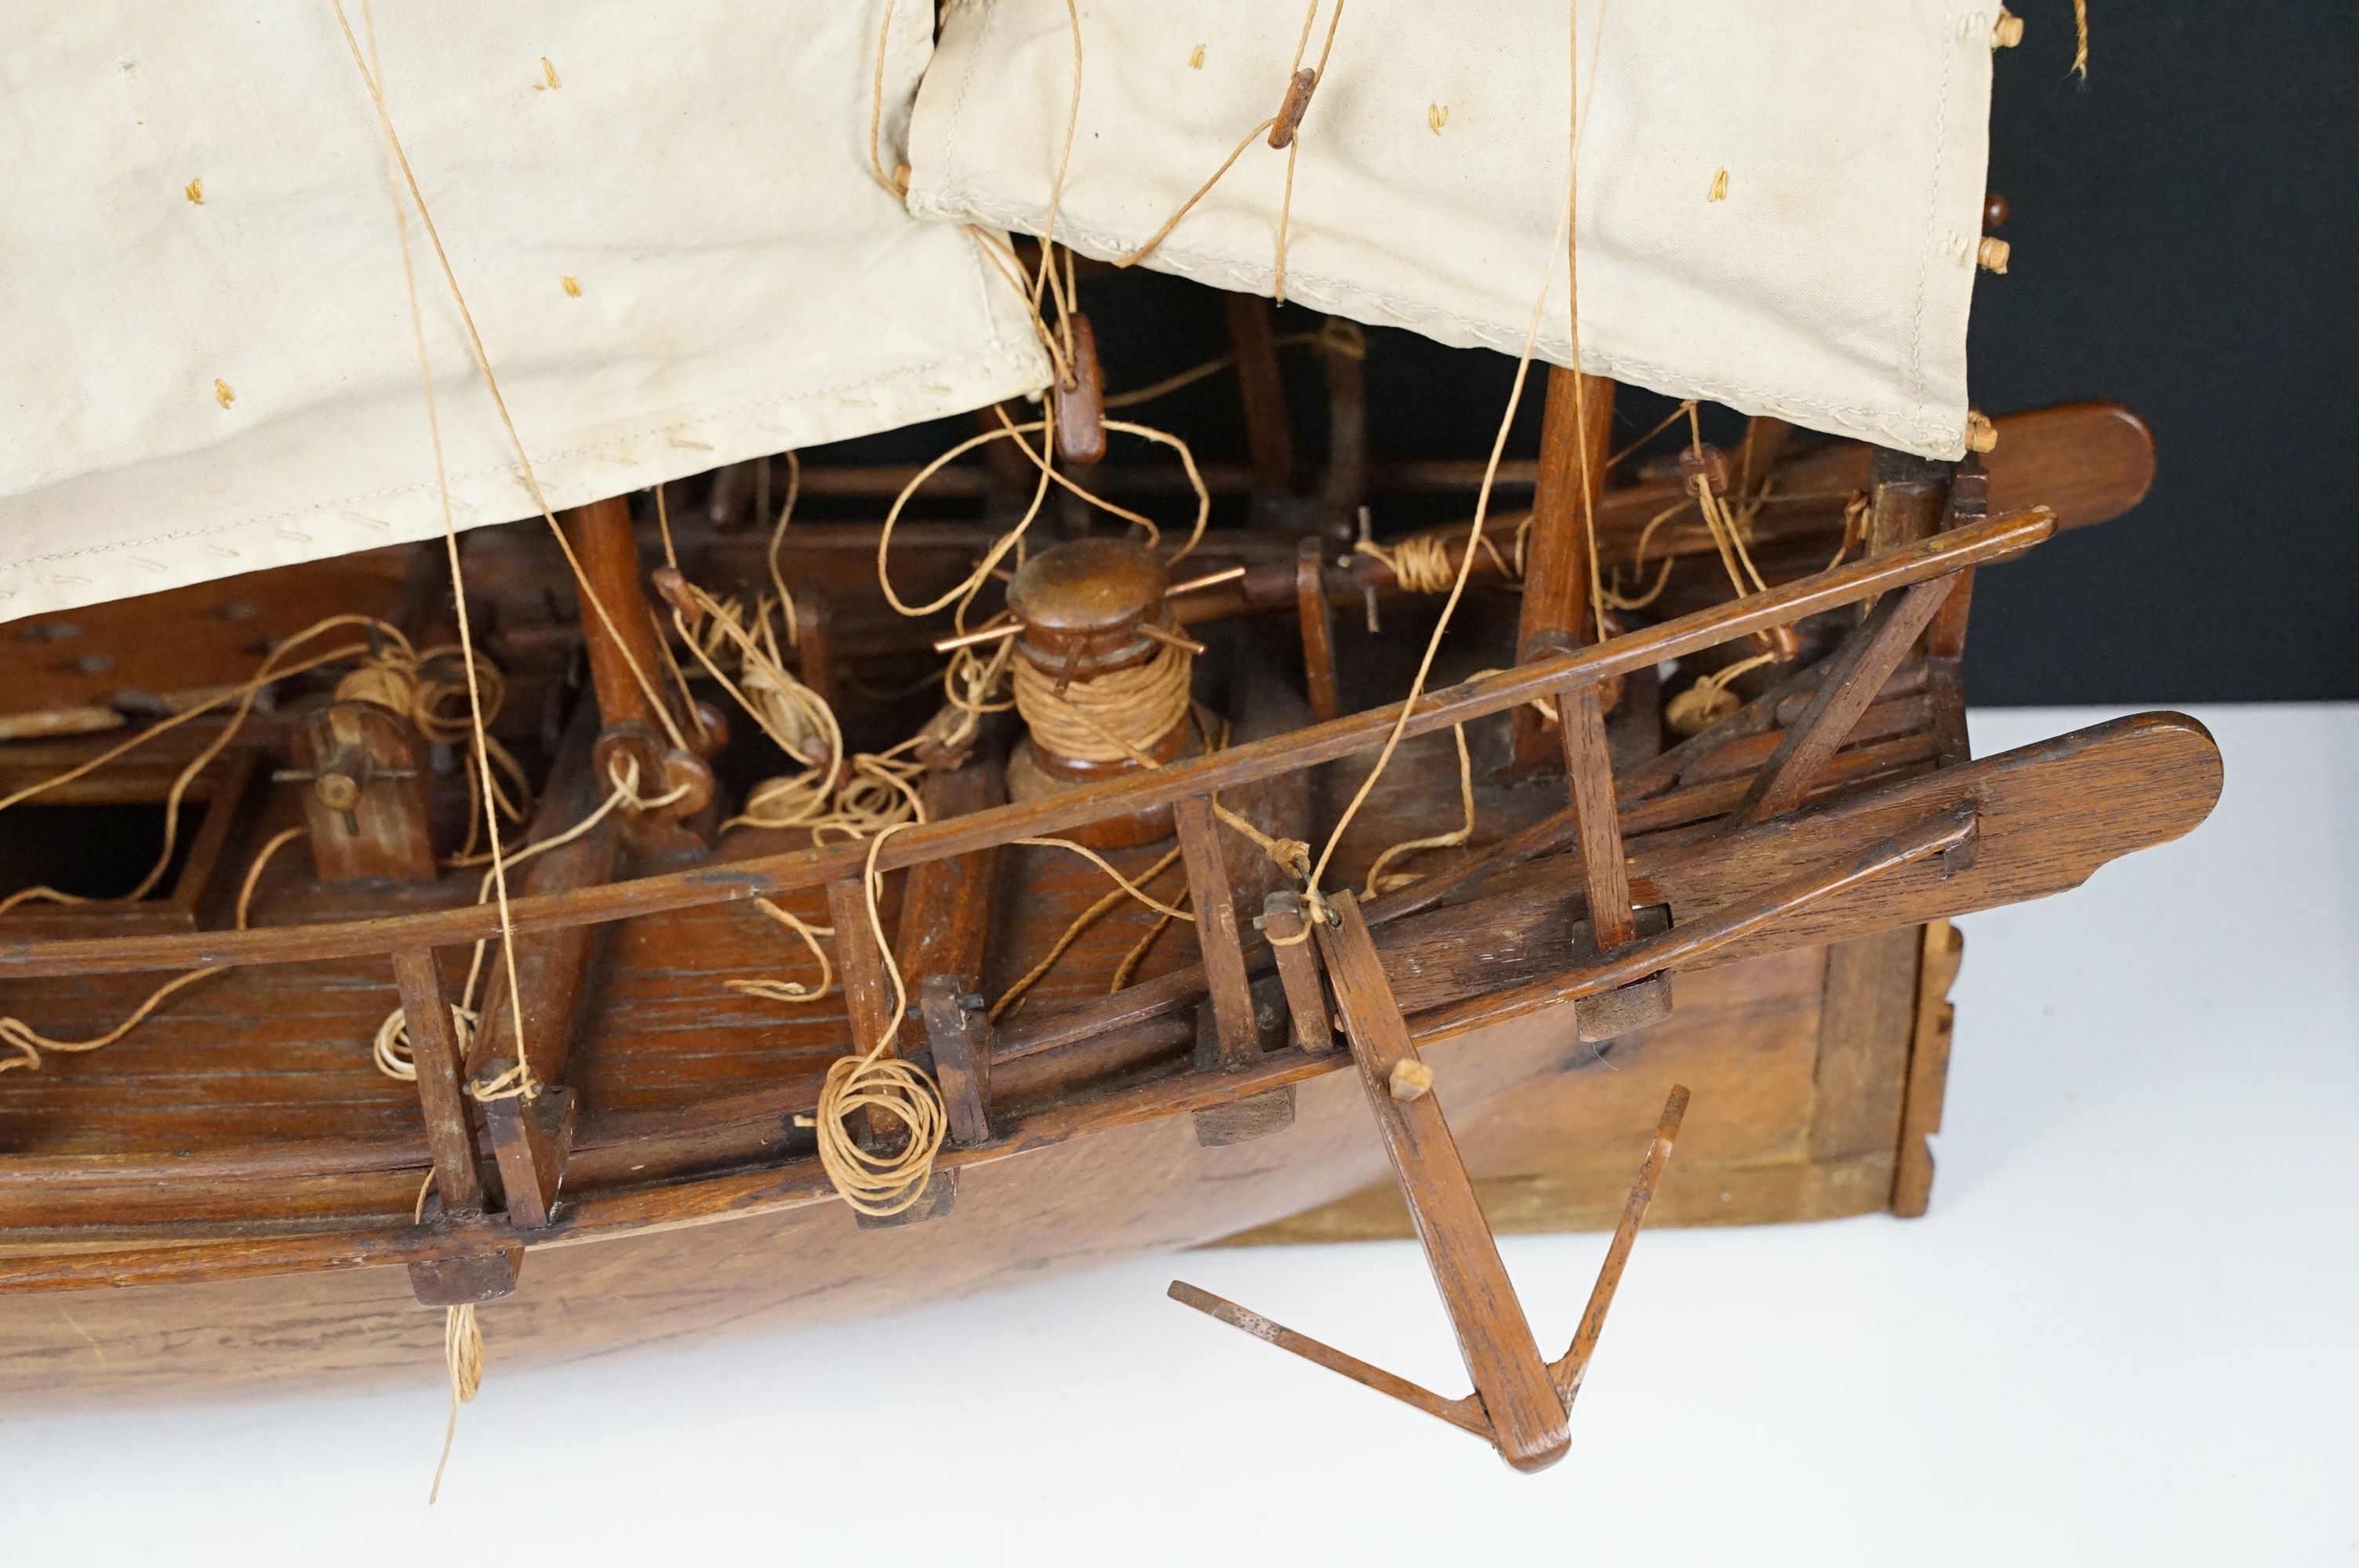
<point>2185,229</point>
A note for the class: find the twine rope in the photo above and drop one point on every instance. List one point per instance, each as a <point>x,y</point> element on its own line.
<point>1096,718</point>
<point>879,1085</point>
<point>28,1042</point>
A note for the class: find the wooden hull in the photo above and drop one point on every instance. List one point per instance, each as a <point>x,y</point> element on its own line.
<point>1800,1062</point>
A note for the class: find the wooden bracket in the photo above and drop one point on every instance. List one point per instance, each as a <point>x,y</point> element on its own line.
<point>1243,1119</point>
<point>937,1198</point>
<point>1297,971</point>
<point>1521,1403</point>
<point>531,1137</point>
<point>466,1279</point>
<point>960,1034</point>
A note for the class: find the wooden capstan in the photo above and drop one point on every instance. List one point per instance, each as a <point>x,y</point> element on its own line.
<point>1101,673</point>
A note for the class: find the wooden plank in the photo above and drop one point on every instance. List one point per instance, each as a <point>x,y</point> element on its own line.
<point>1576,436</point>
<point>434,1047</point>
<point>1527,1415</point>
<point>1854,673</point>
<point>1697,938</point>
<point>1297,971</point>
<point>771,875</point>
<point>1318,618</point>
<point>1929,1068</point>
<point>1866,1018</point>
<point>1216,931</point>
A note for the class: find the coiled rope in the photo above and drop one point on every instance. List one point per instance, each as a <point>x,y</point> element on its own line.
<point>879,1083</point>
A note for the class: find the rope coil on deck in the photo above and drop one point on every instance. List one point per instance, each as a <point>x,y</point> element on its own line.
<point>876,1084</point>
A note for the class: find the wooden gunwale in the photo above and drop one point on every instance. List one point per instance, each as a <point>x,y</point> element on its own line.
<point>1976,545</point>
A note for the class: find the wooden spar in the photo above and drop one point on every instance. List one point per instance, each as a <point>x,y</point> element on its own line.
<point>609,551</point>
<point>1261,387</point>
<point>768,876</point>
<point>1318,618</point>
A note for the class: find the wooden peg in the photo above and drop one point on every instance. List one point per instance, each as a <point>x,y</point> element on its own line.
<point>1409,1080</point>
<point>1209,579</point>
<point>1291,109</point>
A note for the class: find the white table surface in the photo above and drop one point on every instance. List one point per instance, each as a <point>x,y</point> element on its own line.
<point>2127,1333</point>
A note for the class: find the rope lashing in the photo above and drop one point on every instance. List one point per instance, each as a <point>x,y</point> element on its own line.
<point>1107,718</point>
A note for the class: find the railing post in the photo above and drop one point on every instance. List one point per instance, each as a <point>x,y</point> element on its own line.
<point>1216,931</point>
<point>1589,776</point>
<point>434,1047</point>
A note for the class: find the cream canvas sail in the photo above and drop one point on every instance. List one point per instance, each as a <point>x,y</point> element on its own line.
<point>663,218</point>
<point>1778,203</point>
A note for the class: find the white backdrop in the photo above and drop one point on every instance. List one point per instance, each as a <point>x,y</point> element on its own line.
<point>2125,1333</point>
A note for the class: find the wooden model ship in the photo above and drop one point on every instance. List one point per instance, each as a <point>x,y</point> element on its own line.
<point>626,922</point>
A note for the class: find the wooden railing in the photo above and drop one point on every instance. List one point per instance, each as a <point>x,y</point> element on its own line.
<point>769,876</point>
<point>527,1138</point>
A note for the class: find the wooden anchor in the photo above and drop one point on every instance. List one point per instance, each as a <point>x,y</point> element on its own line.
<point>1521,1404</point>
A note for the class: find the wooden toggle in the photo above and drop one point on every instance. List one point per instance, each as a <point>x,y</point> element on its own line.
<point>1081,402</point>
<point>1521,1403</point>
